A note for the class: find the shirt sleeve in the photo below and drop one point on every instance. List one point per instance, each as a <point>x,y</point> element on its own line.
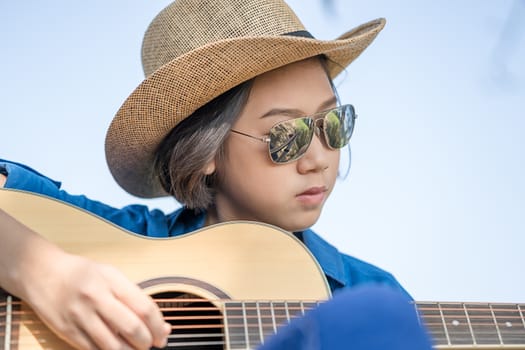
<point>136,218</point>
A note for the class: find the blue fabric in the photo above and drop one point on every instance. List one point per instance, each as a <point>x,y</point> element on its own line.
<point>340,269</point>
<point>368,317</point>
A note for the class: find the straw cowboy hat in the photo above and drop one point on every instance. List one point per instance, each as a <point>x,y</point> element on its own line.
<point>195,50</point>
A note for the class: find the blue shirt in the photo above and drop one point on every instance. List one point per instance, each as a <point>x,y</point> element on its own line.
<point>340,269</point>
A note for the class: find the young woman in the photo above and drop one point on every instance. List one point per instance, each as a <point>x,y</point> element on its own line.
<point>238,119</point>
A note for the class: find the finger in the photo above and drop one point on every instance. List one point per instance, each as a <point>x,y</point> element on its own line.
<point>78,338</point>
<point>154,320</point>
<point>124,321</point>
<point>98,333</point>
<point>145,309</point>
<point>148,312</point>
<point>70,330</point>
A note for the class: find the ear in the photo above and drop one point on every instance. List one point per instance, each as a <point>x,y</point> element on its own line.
<point>210,167</point>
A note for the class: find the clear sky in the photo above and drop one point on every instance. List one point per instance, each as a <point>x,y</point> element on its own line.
<point>436,191</point>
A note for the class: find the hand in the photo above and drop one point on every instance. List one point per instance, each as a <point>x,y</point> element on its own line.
<point>3,180</point>
<point>90,305</point>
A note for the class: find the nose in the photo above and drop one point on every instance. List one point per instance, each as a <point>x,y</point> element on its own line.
<point>317,157</point>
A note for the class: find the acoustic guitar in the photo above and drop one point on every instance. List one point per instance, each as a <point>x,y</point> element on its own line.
<point>217,286</point>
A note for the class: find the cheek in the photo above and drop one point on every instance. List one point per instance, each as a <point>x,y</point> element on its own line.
<point>242,154</point>
<point>247,169</point>
<point>335,161</point>
<point>243,160</point>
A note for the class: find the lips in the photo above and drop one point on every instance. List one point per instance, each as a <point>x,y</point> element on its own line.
<point>313,191</point>
<point>312,196</point>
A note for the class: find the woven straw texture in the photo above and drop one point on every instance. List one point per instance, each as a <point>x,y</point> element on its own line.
<point>195,50</point>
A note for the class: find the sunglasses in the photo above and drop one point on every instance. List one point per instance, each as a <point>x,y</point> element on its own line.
<point>288,140</point>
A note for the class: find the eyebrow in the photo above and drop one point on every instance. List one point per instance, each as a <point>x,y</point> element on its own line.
<point>294,112</point>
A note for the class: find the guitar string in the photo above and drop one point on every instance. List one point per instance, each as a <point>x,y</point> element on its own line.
<point>500,319</point>
<point>511,315</point>
<point>421,305</point>
<point>171,345</point>
<point>179,309</point>
<point>298,308</point>
<point>280,308</point>
<point>199,344</point>
<point>182,337</point>
<point>36,322</point>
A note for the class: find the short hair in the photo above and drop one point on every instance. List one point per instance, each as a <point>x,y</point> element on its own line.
<point>184,153</point>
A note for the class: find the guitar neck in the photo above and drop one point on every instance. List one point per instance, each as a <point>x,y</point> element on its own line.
<point>475,325</point>
<point>452,325</point>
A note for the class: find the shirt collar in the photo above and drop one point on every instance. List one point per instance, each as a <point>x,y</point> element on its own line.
<point>185,220</point>
<point>328,256</point>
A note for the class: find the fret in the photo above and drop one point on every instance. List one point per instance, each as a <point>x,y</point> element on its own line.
<point>3,317</point>
<point>444,324</point>
<point>226,326</point>
<point>484,328</point>
<point>274,324</point>
<point>280,313</point>
<point>246,337</point>
<point>510,323</point>
<point>8,322</point>
<point>267,323</point>
<point>252,324</point>
<point>469,323</point>
<point>6,313</point>
<point>294,309</point>
<point>287,312</point>
<point>456,324</point>
<point>496,323</point>
<point>432,317</point>
<point>520,309</point>
<point>259,318</point>
<point>307,305</point>
<point>234,322</point>
<point>419,318</point>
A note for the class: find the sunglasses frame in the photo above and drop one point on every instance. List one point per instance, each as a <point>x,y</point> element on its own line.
<point>316,130</point>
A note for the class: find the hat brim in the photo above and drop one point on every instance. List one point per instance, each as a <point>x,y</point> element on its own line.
<point>178,88</point>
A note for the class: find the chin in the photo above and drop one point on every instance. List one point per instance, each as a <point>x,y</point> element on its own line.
<point>302,224</point>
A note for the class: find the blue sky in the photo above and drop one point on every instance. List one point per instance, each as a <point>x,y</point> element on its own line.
<point>435,194</point>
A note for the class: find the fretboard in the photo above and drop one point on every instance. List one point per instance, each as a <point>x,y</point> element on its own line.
<point>486,325</point>
<point>246,324</point>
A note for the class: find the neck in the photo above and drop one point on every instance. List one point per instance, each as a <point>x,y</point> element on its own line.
<point>212,216</point>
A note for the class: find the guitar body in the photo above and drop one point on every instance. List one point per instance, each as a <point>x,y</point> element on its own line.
<point>234,261</point>
<point>227,286</point>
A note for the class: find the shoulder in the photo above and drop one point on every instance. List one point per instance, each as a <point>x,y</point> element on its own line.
<point>344,270</point>
<point>362,271</point>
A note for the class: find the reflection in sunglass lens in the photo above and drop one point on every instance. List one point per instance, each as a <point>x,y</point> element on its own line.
<point>290,139</point>
<point>338,125</point>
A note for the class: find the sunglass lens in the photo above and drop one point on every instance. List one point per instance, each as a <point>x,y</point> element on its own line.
<point>338,126</point>
<point>290,139</point>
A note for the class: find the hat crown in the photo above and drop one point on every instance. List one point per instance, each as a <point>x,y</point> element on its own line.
<point>185,25</point>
